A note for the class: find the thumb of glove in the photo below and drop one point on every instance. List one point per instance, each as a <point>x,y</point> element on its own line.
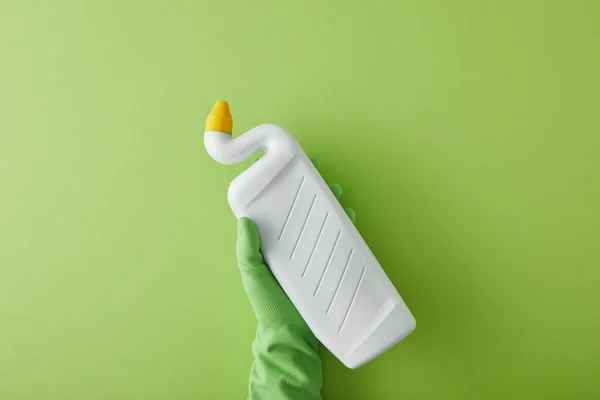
<point>269,301</point>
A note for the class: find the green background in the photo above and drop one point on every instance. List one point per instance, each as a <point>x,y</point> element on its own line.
<point>465,134</point>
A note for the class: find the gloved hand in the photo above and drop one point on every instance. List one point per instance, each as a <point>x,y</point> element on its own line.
<point>286,359</point>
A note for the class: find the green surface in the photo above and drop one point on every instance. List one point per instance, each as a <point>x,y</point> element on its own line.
<point>465,134</point>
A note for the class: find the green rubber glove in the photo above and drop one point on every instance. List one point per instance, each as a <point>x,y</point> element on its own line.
<point>286,364</point>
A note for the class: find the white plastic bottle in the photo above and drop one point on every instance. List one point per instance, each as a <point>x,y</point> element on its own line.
<point>310,244</point>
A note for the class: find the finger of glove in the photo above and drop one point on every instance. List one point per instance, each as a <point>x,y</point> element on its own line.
<point>351,214</point>
<point>337,192</point>
<point>336,189</point>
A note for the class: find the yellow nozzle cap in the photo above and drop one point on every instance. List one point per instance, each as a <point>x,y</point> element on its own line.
<point>219,118</point>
